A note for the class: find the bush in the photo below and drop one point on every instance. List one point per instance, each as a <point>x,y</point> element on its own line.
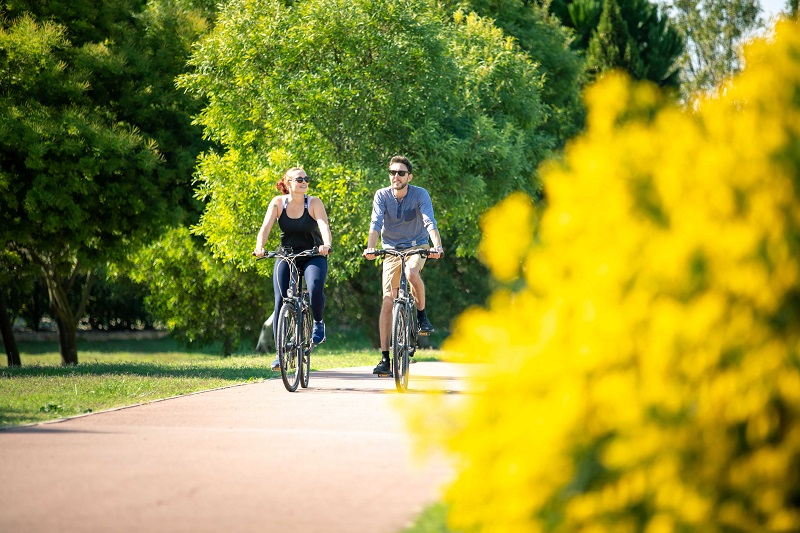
<point>646,378</point>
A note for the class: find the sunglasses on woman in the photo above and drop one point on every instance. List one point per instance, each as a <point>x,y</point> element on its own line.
<point>301,179</point>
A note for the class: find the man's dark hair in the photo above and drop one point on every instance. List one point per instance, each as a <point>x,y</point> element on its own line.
<point>401,159</point>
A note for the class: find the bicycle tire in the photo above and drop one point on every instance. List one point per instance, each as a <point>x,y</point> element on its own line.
<point>289,349</point>
<point>400,346</point>
<point>307,346</point>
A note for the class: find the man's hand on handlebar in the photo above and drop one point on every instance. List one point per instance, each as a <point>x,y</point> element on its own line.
<point>370,253</point>
<point>437,252</point>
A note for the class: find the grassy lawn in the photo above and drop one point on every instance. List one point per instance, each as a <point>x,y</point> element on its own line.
<point>119,373</point>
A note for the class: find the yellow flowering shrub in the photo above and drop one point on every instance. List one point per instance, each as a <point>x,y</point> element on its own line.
<point>647,377</point>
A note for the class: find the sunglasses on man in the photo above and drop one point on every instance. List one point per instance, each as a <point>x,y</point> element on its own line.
<point>401,173</point>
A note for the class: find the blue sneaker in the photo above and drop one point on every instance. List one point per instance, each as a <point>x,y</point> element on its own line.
<point>318,335</point>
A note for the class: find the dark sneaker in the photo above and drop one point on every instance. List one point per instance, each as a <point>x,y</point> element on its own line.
<point>318,335</point>
<point>425,326</point>
<point>383,368</point>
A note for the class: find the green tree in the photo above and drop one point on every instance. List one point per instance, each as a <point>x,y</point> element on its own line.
<point>612,46</point>
<point>715,31</point>
<point>634,35</point>
<point>76,184</point>
<point>547,42</point>
<point>340,86</point>
<point>81,184</point>
<point>201,299</point>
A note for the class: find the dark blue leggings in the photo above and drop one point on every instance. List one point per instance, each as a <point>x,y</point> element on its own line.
<point>315,270</point>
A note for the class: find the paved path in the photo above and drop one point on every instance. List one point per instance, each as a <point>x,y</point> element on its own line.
<point>332,458</point>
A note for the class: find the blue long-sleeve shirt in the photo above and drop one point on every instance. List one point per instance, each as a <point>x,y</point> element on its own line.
<point>403,223</point>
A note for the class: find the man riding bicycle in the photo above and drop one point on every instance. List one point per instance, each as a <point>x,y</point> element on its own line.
<point>402,215</point>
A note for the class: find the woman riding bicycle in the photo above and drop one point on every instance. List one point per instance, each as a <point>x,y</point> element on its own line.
<point>304,225</point>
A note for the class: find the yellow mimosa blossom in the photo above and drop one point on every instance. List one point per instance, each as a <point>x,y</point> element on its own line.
<point>647,376</point>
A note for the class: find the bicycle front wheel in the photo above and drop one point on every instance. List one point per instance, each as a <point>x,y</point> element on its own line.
<point>289,349</point>
<point>400,346</point>
<point>307,346</point>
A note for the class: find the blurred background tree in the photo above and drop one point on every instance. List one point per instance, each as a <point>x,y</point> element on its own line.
<point>715,31</point>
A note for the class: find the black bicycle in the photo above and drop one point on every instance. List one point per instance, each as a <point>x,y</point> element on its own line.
<point>294,325</point>
<point>405,330</point>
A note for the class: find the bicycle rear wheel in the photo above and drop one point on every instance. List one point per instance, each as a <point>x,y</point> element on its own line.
<point>400,346</point>
<point>289,350</point>
<point>307,346</point>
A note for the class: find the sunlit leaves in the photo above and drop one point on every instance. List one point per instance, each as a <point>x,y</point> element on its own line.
<point>338,87</point>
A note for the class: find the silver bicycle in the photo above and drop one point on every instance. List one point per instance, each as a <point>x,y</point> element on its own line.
<point>294,325</point>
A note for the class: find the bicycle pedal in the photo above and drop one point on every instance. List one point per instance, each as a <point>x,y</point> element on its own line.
<point>389,375</point>
<point>424,333</point>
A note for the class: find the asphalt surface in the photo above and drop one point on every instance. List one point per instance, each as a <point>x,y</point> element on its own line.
<point>336,457</point>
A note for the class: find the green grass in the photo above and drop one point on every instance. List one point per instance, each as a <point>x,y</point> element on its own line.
<point>114,374</point>
<point>433,519</point>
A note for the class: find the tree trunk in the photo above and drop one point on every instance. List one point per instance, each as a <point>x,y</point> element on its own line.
<point>227,345</point>
<point>38,308</point>
<point>60,272</point>
<point>67,320</point>
<point>7,331</point>
<point>68,343</point>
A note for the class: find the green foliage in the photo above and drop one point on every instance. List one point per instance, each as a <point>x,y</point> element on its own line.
<point>547,43</point>
<point>338,87</point>
<point>96,146</point>
<point>117,303</point>
<point>634,35</point>
<point>199,298</point>
<point>612,45</point>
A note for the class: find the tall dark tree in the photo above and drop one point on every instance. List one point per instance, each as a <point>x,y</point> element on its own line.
<point>612,46</point>
<point>640,37</point>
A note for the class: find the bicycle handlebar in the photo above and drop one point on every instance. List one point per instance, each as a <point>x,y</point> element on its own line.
<point>283,254</point>
<point>401,253</point>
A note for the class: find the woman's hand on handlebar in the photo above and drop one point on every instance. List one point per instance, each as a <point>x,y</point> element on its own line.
<point>259,252</point>
<point>325,249</point>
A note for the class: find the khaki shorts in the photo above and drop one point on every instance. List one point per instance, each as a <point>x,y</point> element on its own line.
<point>391,269</point>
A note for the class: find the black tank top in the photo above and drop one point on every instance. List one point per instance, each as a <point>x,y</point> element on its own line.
<point>299,234</point>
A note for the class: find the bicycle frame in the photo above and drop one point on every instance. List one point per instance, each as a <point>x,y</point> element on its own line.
<point>405,331</point>
<point>293,325</point>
